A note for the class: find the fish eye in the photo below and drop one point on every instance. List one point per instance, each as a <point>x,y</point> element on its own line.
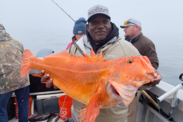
<point>129,61</point>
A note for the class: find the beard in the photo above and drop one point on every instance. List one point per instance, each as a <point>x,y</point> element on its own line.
<point>126,36</point>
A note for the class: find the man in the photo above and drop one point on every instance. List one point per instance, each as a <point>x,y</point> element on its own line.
<point>11,52</point>
<point>79,30</point>
<point>102,35</point>
<point>132,28</point>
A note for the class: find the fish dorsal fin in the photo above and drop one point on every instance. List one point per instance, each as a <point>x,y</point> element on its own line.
<point>99,56</point>
<point>62,54</point>
<point>86,58</point>
<point>90,112</point>
<point>93,57</point>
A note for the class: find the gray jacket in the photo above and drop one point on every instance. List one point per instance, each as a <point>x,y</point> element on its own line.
<point>113,49</point>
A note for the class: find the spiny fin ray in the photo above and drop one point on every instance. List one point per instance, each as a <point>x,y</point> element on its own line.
<point>85,58</point>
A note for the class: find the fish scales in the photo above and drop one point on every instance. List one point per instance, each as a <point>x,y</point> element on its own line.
<point>92,80</point>
<point>76,72</point>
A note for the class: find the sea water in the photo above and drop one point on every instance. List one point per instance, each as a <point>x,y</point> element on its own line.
<point>169,50</point>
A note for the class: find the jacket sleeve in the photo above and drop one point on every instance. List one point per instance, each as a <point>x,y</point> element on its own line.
<point>152,55</point>
<point>72,49</point>
<point>129,49</point>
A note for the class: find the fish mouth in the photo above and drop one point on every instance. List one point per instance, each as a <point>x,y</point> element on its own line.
<point>151,75</point>
<point>138,82</point>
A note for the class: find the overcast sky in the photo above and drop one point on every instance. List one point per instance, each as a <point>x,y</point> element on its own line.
<point>41,24</point>
<point>158,17</point>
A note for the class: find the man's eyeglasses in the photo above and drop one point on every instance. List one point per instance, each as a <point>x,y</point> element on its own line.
<point>127,22</point>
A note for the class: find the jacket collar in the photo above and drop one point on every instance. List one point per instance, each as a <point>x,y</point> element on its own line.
<point>96,46</point>
<point>86,47</point>
<point>134,39</point>
<point>4,36</point>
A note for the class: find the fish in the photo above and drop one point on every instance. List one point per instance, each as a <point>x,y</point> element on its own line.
<point>54,118</point>
<point>40,117</point>
<point>69,120</point>
<point>93,80</point>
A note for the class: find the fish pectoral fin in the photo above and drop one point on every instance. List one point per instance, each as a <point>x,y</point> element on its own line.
<point>82,114</point>
<point>90,112</point>
<point>126,91</point>
<point>37,75</point>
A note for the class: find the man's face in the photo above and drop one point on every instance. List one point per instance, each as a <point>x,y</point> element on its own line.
<point>99,28</point>
<point>130,31</point>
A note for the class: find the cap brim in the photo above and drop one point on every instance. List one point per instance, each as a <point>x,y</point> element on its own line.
<point>123,26</point>
<point>98,14</point>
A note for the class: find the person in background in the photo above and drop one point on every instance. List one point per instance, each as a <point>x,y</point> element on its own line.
<point>132,28</point>
<point>102,35</point>
<point>11,52</point>
<point>79,30</point>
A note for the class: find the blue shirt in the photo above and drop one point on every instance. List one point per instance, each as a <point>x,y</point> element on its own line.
<point>131,40</point>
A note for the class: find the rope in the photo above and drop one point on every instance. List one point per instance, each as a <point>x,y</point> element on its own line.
<point>62,106</point>
<point>173,109</point>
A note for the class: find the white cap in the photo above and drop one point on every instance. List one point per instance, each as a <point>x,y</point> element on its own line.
<point>98,9</point>
<point>131,21</point>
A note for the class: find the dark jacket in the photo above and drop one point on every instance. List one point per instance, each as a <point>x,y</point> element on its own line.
<point>147,48</point>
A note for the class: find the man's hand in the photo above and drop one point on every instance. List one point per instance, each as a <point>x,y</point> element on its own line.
<point>46,79</point>
<point>155,81</point>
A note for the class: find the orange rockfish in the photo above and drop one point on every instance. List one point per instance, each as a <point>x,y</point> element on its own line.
<point>92,80</point>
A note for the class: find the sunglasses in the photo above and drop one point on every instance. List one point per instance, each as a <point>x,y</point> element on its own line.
<point>127,22</point>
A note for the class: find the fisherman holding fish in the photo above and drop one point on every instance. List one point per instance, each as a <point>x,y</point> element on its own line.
<point>11,52</point>
<point>103,35</point>
<point>132,28</point>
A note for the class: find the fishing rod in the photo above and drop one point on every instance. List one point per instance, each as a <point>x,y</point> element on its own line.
<point>63,11</point>
<point>66,95</point>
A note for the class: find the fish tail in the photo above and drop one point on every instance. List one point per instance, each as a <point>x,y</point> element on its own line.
<point>25,63</point>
